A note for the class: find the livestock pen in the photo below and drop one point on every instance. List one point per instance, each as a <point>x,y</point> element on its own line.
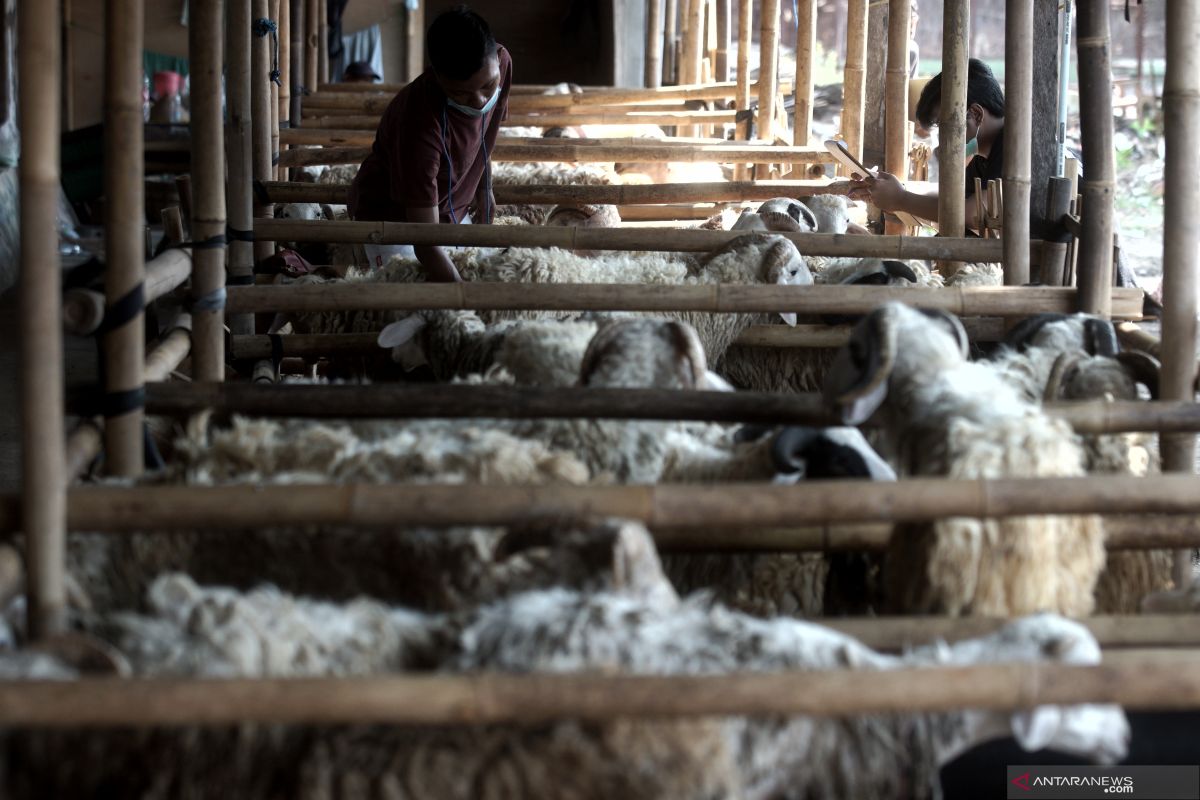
<point>594,685</point>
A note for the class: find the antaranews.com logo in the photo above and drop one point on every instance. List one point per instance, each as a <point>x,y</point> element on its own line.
<point>1164,783</point>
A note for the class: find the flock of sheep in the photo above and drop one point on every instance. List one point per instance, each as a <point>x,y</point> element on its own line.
<point>594,595</point>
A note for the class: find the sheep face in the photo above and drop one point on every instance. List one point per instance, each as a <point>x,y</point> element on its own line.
<point>304,211</point>
<point>1094,731</point>
<point>830,211</point>
<point>817,453</point>
<point>584,216</point>
<point>631,353</point>
<point>780,214</point>
<point>893,340</point>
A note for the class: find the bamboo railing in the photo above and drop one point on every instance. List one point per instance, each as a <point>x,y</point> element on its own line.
<point>1095,267</point>
<point>1018,126</point>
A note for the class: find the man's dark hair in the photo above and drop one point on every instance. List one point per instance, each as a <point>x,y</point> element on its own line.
<point>458,42</point>
<point>982,88</point>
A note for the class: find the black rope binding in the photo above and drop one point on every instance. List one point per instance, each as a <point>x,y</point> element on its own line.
<point>236,235</point>
<point>239,280</point>
<point>211,243</point>
<point>123,311</point>
<point>213,301</point>
<point>264,27</point>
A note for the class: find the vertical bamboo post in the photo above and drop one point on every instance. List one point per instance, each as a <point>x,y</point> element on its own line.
<point>296,53</point>
<point>124,245</point>
<point>693,50</point>
<point>68,67</point>
<point>310,45</point>
<point>854,95</point>
<point>415,56</point>
<point>260,100</point>
<point>208,195</point>
<point>724,31</point>
<point>654,43</point>
<point>768,85</point>
<point>322,42</point>
<point>953,125</point>
<point>273,14</point>
<point>670,31</point>
<point>1181,233</point>
<point>1094,271</point>
<point>285,75</point>
<point>745,30</point>
<point>710,42</point>
<point>239,198</point>
<point>896,90</point>
<point>806,45</point>
<point>1018,133</point>
<point>43,461</point>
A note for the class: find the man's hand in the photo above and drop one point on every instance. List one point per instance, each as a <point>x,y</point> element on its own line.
<point>884,190</point>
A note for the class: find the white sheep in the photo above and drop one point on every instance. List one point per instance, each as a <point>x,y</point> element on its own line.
<point>947,417</point>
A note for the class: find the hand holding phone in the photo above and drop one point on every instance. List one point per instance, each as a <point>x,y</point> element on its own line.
<point>840,152</point>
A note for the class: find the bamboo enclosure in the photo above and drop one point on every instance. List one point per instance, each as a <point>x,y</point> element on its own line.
<point>654,44</point>
<point>952,125</point>
<point>1018,132</point>
<point>260,117</point>
<point>1095,267</point>
<point>854,95</point>
<point>768,64</point>
<point>43,467</point>
<point>240,153</point>
<point>806,38</point>
<point>896,90</point>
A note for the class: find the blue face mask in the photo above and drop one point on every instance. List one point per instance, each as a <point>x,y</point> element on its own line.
<point>973,147</point>
<point>476,112</point>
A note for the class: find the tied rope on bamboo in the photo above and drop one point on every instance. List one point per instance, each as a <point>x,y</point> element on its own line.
<point>264,27</point>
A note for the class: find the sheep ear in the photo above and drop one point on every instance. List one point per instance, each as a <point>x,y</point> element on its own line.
<point>1023,332</point>
<point>398,333</point>
<point>898,269</point>
<point>1144,368</point>
<point>788,318</point>
<point>279,321</point>
<point>1035,729</point>
<point>788,447</point>
<point>326,211</point>
<point>715,383</point>
<point>858,379</point>
<point>1100,338</point>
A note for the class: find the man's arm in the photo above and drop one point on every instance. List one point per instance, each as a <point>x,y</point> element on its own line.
<point>438,266</point>
<point>887,193</point>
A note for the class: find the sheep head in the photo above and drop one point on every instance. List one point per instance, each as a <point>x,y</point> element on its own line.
<point>584,215</point>
<point>779,214</point>
<point>404,338</point>
<point>816,453</point>
<point>1078,376</point>
<point>632,353</point>
<point>1095,731</point>
<point>892,338</point>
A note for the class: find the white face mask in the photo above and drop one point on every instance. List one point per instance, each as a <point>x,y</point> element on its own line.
<point>476,112</point>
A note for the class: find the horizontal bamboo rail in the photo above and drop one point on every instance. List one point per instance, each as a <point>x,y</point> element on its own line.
<point>524,149</point>
<point>488,698</point>
<point>714,298</point>
<point>83,309</point>
<point>649,239</point>
<point>554,120</point>
<point>717,505</point>
<point>523,402</point>
<point>551,194</point>
<point>987,329</point>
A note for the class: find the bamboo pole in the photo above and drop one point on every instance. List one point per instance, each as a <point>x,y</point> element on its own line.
<point>806,41</point>
<point>124,245</point>
<point>208,174</point>
<point>768,51</point>
<point>84,443</point>
<point>515,402</point>
<point>492,698</point>
<point>273,12</point>
<point>414,56</point>
<point>670,32</point>
<point>1181,233</point>
<point>311,34</point>
<point>654,44</point>
<point>260,101</point>
<point>896,90</point>
<point>724,38</point>
<point>322,42</point>
<point>43,472</point>
<point>152,508</point>
<point>164,274</point>
<point>854,95</point>
<point>745,29</point>
<point>712,298</point>
<point>285,71</point>
<point>1018,132</point>
<point>953,125</point>
<point>296,49</point>
<point>240,153</point>
<point>693,42</point>
<point>1095,268</point>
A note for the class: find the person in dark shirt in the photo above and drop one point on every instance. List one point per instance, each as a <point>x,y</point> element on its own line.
<point>985,146</point>
<point>431,158</point>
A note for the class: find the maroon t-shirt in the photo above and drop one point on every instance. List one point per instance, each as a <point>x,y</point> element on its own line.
<point>407,167</point>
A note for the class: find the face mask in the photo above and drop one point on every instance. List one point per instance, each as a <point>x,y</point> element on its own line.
<point>973,147</point>
<point>476,112</point>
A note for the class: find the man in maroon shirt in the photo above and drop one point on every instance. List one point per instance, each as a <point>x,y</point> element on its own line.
<point>430,160</point>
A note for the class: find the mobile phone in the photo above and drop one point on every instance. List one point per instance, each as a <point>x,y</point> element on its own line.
<point>839,150</point>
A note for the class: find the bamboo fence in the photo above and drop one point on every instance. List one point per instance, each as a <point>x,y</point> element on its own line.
<point>296,50</point>
<point>952,125</point>
<point>896,90</point>
<point>854,96</point>
<point>768,65</point>
<point>1095,267</point>
<point>654,44</point>
<point>1018,127</point>
<point>806,38</point>
<point>124,351</point>
<point>240,152</point>
<point>43,468</point>
<point>260,102</point>
<point>670,56</point>
<point>1181,112</point>
<point>84,309</point>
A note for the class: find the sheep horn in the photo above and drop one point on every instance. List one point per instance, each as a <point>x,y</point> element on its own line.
<point>1144,368</point>
<point>687,344</point>
<point>898,269</point>
<point>1019,337</point>
<point>86,653</point>
<point>1100,338</point>
<point>1064,365</point>
<point>855,390</point>
<point>598,344</point>
<point>798,210</point>
<point>788,447</point>
<point>954,324</point>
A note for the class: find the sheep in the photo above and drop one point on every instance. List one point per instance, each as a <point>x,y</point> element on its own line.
<point>584,215</point>
<point>945,416</point>
<point>556,630</point>
<point>769,584</point>
<point>1060,357</point>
